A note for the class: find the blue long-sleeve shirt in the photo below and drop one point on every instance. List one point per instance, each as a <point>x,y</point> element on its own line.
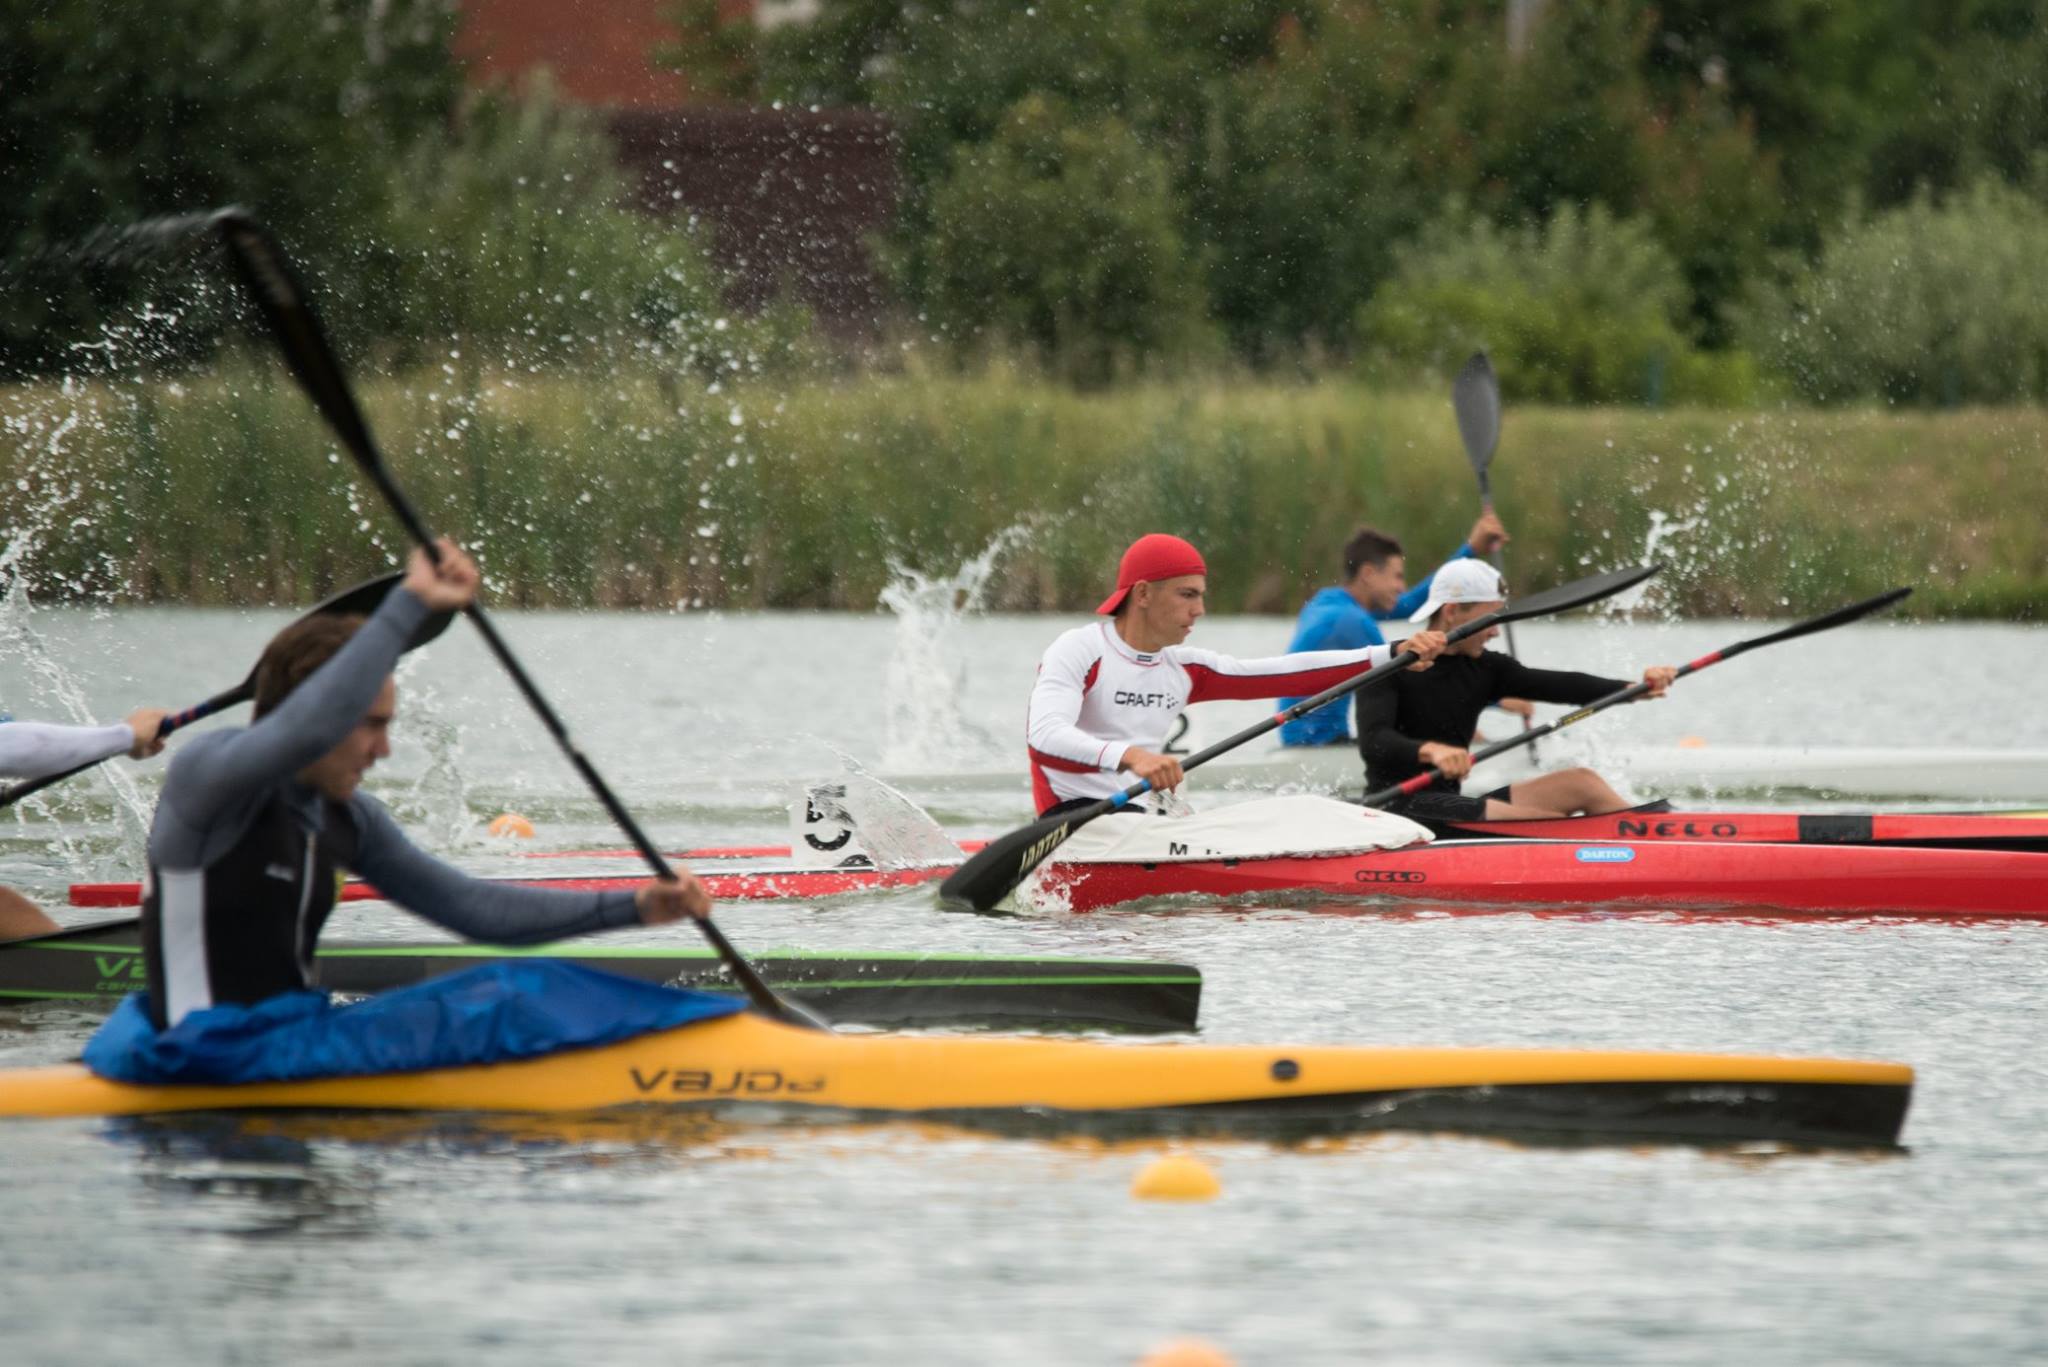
<point>1334,620</point>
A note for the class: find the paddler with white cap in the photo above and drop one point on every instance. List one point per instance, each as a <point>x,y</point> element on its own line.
<point>1418,722</point>
<point>1107,692</point>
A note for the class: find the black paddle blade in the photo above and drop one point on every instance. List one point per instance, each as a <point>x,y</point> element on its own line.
<point>1839,617</point>
<point>994,872</point>
<point>1575,594</point>
<point>364,599</point>
<point>1475,394</point>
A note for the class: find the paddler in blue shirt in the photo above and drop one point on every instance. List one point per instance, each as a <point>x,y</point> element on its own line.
<point>255,822</point>
<point>1347,616</point>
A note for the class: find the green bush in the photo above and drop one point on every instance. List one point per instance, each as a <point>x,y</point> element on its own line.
<point>1935,302</point>
<point>1585,309</point>
<point>110,114</point>
<point>1058,234</point>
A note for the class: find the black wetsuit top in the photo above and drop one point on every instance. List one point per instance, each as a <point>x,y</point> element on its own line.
<point>1443,703</point>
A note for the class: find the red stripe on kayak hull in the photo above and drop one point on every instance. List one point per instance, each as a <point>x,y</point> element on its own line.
<point>708,852</point>
<point>779,885</point>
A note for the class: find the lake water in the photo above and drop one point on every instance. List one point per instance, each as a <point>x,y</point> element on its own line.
<point>369,1242</point>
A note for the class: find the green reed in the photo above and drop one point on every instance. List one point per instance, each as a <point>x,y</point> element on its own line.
<point>637,488</point>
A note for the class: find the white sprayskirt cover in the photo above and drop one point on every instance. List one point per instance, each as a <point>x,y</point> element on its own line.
<point>1297,826</point>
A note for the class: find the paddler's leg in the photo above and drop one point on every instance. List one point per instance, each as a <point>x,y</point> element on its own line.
<point>20,918</point>
<point>1568,792</point>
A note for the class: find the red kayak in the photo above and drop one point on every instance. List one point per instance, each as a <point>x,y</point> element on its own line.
<point>1924,830</point>
<point>707,852</point>
<point>1852,879</point>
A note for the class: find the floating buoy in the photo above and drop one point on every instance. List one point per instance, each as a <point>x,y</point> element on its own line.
<point>1692,742</point>
<point>511,826</point>
<point>1176,1177</point>
<point>1186,1353</point>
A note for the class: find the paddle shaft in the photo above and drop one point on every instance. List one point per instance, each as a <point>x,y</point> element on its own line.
<point>1638,689</point>
<point>261,263</point>
<point>1475,399</point>
<point>1530,733</point>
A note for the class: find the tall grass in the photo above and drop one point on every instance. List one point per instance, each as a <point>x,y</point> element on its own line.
<point>634,489</point>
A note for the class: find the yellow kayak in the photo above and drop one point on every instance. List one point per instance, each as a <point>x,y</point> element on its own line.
<point>747,1060</point>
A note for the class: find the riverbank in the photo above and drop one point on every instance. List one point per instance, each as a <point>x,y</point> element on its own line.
<point>637,489</point>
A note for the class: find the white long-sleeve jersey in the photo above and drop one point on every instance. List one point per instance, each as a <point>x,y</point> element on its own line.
<point>1096,698</point>
<point>34,749</point>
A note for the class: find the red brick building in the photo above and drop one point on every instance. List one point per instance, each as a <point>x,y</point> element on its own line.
<point>599,51</point>
<point>793,195</point>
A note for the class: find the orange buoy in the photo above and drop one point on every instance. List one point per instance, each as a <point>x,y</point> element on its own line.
<point>1186,1353</point>
<point>511,826</point>
<point>1176,1177</point>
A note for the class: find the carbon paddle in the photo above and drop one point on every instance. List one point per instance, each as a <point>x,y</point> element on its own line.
<point>1839,617</point>
<point>360,600</point>
<point>267,272</point>
<point>1475,397</point>
<point>990,876</point>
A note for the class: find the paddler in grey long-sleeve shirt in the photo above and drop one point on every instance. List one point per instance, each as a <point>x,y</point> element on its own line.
<point>254,823</point>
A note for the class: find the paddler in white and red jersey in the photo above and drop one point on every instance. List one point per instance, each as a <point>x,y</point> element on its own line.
<point>1107,693</point>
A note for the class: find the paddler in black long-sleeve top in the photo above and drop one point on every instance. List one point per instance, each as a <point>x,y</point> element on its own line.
<point>254,822</point>
<point>1423,721</point>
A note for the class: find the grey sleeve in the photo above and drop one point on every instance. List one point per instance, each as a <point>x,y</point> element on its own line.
<point>205,780</point>
<point>495,913</point>
<point>34,749</point>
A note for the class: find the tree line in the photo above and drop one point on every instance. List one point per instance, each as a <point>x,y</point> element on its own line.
<point>1711,201</point>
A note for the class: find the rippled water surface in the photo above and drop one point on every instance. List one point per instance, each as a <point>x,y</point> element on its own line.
<point>376,1241</point>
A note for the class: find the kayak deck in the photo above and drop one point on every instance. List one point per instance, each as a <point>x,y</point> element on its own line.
<point>870,989</point>
<point>747,1061</point>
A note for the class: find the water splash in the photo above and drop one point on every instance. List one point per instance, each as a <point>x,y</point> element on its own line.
<point>20,640</point>
<point>1663,537</point>
<point>926,730</point>
<point>438,801</point>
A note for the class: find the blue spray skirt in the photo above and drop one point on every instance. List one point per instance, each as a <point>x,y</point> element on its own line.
<point>493,1013</point>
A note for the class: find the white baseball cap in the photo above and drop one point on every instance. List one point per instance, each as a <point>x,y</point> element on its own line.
<point>1462,581</point>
